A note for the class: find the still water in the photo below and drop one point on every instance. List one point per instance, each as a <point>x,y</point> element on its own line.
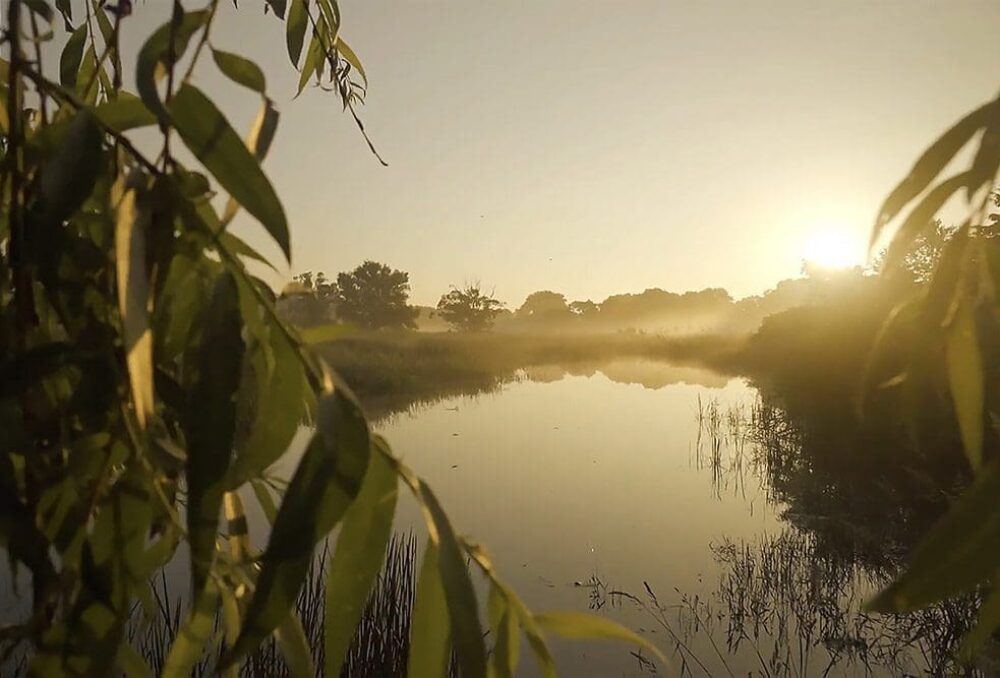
<point>600,487</point>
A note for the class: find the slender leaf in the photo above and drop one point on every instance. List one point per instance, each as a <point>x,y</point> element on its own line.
<point>327,480</point>
<point>314,56</point>
<point>965,376</point>
<point>506,632</point>
<point>209,136</point>
<point>211,422</point>
<point>295,29</point>
<point>345,51</point>
<point>358,557</point>
<point>930,164</point>
<point>461,596</point>
<point>581,626</point>
<point>921,217</point>
<point>278,415</point>
<point>961,550</point>
<point>155,54</point>
<point>124,113</point>
<point>189,644</point>
<point>295,648</point>
<point>133,298</point>
<point>72,54</point>
<point>69,174</point>
<point>429,628</point>
<point>240,70</point>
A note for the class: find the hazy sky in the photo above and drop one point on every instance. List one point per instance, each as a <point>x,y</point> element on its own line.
<point>602,147</point>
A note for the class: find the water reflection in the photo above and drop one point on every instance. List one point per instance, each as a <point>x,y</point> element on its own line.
<point>684,506</point>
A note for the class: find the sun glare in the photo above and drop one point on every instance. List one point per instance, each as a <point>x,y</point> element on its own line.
<point>831,248</point>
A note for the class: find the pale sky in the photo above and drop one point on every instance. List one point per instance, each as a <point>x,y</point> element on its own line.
<point>594,148</point>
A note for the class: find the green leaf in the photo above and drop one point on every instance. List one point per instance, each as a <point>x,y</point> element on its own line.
<point>278,6</point>
<point>265,500</point>
<point>965,377</point>
<point>278,415</point>
<point>124,113</point>
<point>921,217</point>
<point>231,624</point>
<point>65,8</point>
<point>133,219</point>
<point>314,57</point>
<point>345,51</point>
<point>461,596</point>
<point>327,480</point>
<point>238,246</point>
<point>214,142</point>
<point>581,626</point>
<point>295,29</point>
<point>211,422</point>
<point>155,55</point>
<point>358,556</point>
<point>189,644</point>
<point>262,133</point>
<point>41,8</point>
<point>506,646</point>
<point>72,54</point>
<point>534,634</point>
<point>429,628</point>
<point>930,164</point>
<point>240,70</point>
<point>960,551</point>
<point>295,648</point>
<point>68,176</point>
<point>259,143</point>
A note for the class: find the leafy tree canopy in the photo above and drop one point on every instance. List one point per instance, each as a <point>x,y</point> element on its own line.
<point>374,296</point>
<point>469,309</point>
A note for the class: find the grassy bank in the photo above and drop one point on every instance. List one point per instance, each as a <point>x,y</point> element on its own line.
<point>391,371</point>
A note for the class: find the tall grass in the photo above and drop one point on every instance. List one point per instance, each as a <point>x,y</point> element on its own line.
<point>380,646</point>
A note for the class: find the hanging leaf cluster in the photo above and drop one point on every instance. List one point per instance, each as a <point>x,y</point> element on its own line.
<point>146,382</point>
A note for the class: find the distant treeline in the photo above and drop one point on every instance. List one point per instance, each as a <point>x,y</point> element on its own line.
<point>375,296</point>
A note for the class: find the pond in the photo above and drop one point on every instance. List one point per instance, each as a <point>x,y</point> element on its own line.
<point>671,499</point>
<point>637,489</point>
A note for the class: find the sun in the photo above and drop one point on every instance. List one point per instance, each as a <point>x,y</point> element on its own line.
<point>831,248</point>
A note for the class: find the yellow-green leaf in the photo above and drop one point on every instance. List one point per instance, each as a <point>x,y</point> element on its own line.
<point>295,29</point>
<point>582,626</point>
<point>358,556</point>
<point>211,422</point>
<point>189,644</point>
<point>240,70</point>
<point>463,610</point>
<point>345,51</point>
<point>132,222</point>
<point>327,480</point>
<point>295,648</point>
<point>125,113</point>
<point>213,141</point>
<point>72,54</point>
<point>960,551</point>
<point>965,376</point>
<point>429,628</point>
<point>156,52</point>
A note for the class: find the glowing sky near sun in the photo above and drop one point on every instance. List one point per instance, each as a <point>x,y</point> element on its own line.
<point>600,147</point>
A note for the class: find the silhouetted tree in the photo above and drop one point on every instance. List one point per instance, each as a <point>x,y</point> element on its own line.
<point>923,254</point>
<point>468,309</point>
<point>584,309</point>
<point>543,304</point>
<point>374,296</point>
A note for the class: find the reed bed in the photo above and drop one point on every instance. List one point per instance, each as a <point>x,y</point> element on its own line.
<point>380,646</point>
